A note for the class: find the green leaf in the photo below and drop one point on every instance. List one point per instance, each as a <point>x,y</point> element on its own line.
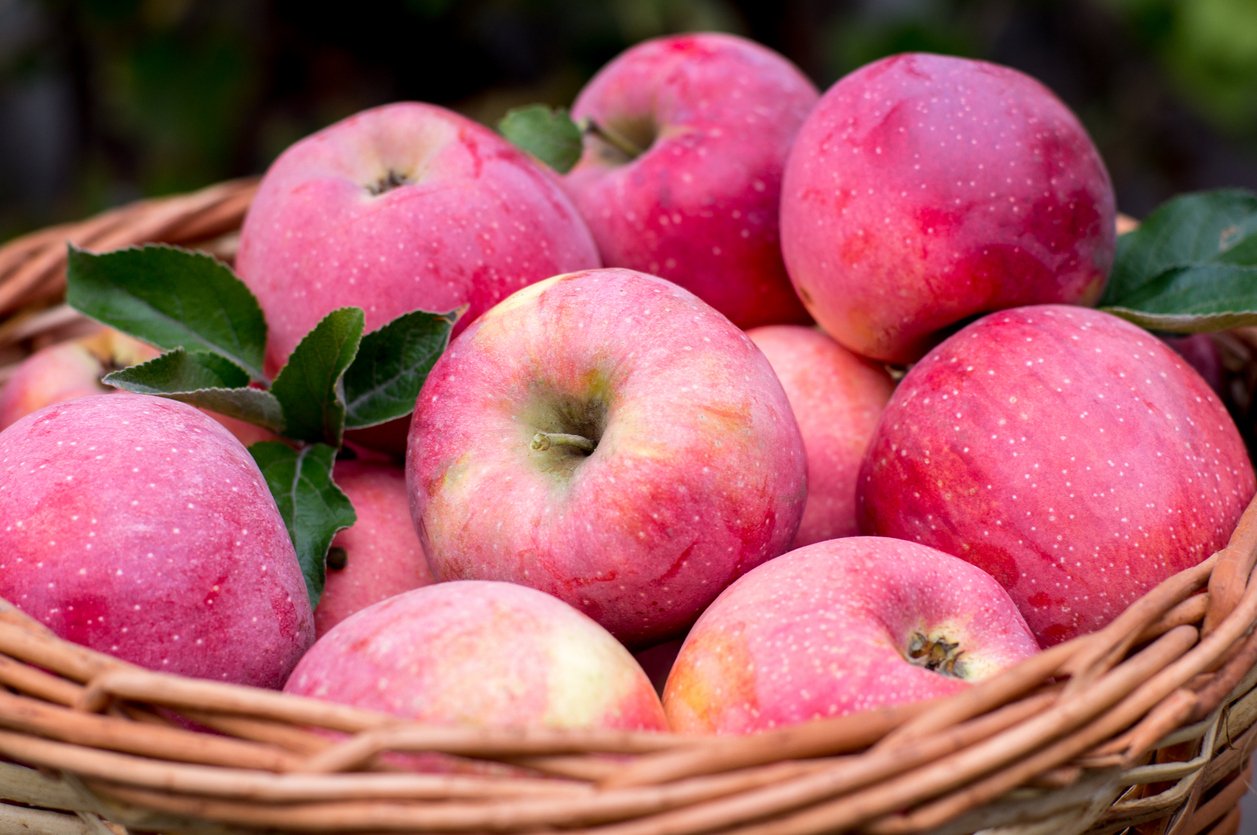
<point>549,134</point>
<point>312,506</point>
<point>1189,267</point>
<point>310,387</point>
<point>171,298</point>
<point>392,364</point>
<point>205,380</point>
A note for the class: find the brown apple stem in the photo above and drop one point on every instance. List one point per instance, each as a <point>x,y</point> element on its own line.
<point>545,440</point>
<point>613,138</point>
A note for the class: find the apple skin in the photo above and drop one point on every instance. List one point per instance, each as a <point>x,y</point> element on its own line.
<point>924,190</point>
<point>827,629</point>
<point>473,220</point>
<point>140,527</point>
<point>480,653</point>
<point>697,472</point>
<point>74,368</point>
<point>383,553</point>
<point>1072,455</point>
<point>836,397</point>
<point>700,206</point>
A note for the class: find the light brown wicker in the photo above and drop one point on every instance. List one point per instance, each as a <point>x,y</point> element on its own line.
<point>1146,726</point>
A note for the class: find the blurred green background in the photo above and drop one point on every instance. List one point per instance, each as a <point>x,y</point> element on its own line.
<point>104,101</point>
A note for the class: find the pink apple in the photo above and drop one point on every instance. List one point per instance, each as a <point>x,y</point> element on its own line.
<point>712,117</point>
<point>66,370</point>
<point>379,555</point>
<point>140,527</point>
<point>1069,453</point>
<point>480,653</point>
<point>402,207</point>
<point>840,627</point>
<point>74,368</point>
<point>924,190</point>
<point>837,398</point>
<point>607,437</point>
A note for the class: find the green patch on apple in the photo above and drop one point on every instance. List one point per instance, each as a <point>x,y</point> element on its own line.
<point>1190,266</point>
<point>213,333</point>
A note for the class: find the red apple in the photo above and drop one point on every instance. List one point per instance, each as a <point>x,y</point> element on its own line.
<point>1072,455</point>
<point>379,555</point>
<point>402,207</point>
<point>140,527</point>
<point>607,437</point>
<point>480,653</point>
<point>711,117</point>
<point>74,368</point>
<point>924,190</point>
<point>837,398</point>
<point>837,628</point>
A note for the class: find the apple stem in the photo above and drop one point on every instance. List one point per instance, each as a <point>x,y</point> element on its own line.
<point>613,138</point>
<point>545,440</point>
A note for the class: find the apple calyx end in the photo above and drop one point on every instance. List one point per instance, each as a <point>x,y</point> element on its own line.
<point>543,441</point>
<point>937,654</point>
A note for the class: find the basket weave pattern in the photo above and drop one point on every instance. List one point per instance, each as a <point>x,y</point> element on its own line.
<point>1147,725</point>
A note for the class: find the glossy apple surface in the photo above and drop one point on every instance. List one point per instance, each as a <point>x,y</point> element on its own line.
<point>1072,455</point>
<point>402,207</point>
<point>140,527</point>
<point>837,628</point>
<point>608,437</point>
<point>924,190</point>
<point>712,117</point>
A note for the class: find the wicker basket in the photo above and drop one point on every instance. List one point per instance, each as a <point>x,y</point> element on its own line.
<point>1145,726</point>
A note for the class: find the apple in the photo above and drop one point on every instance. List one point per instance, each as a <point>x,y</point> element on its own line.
<point>140,527</point>
<point>74,368</point>
<point>682,177</point>
<point>65,370</point>
<point>480,653</point>
<point>1070,454</point>
<point>840,627</point>
<point>924,190</point>
<point>380,554</point>
<point>607,437</point>
<point>836,397</point>
<point>402,207</point>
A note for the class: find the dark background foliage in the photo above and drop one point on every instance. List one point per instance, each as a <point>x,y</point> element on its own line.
<point>104,101</point>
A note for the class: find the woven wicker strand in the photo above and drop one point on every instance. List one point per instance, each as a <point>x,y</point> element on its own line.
<point>1147,725</point>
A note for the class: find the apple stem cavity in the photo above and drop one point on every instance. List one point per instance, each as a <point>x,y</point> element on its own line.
<point>546,440</point>
<point>936,654</point>
<point>618,141</point>
<point>393,179</point>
